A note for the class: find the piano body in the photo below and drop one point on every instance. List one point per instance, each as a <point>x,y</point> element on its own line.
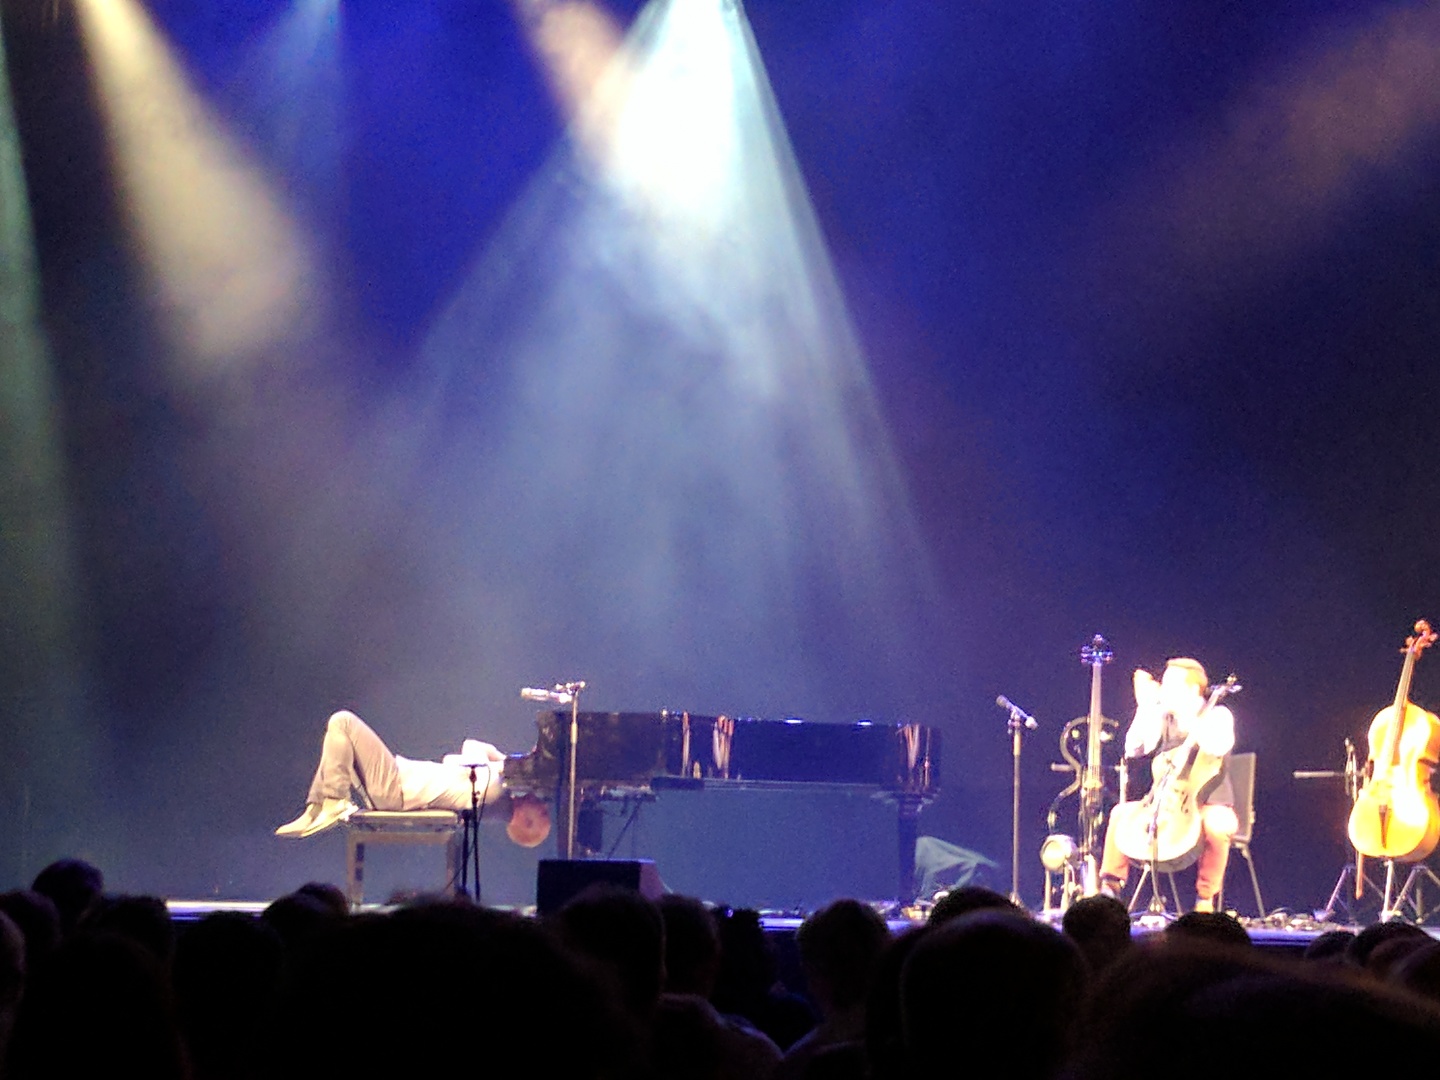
<point>628,755</point>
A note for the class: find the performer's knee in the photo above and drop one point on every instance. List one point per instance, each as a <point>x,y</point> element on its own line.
<point>340,721</point>
<point>1220,821</point>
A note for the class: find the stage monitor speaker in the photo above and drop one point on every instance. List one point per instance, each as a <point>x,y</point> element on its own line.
<point>557,880</point>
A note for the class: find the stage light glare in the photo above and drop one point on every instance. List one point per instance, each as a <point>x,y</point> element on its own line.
<point>1057,852</point>
<point>292,90</point>
<point>1283,162</point>
<point>306,36</point>
<point>685,441</point>
<point>672,148</point>
<point>37,569</point>
<point>577,42</point>
<point>653,113</point>
<point>50,749</point>
<point>232,276</point>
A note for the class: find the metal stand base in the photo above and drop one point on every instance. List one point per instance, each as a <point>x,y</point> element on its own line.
<point>1337,904</point>
<point>1411,893</point>
<point>1156,911</point>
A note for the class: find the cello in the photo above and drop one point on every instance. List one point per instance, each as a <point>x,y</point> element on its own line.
<point>1396,814</point>
<point>1164,828</point>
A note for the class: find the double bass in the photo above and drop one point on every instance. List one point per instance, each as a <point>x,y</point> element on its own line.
<point>1396,814</point>
<point>1091,731</point>
<point>1092,778</point>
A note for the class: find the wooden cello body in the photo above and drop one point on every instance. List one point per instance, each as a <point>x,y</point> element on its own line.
<point>1396,813</point>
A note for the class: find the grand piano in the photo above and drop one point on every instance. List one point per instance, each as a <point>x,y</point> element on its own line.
<point>630,755</point>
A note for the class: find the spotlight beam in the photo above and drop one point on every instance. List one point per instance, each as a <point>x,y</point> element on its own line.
<point>670,372</point>
<point>233,274</point>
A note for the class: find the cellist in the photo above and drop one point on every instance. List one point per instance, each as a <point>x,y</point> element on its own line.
<point>1167,712</point>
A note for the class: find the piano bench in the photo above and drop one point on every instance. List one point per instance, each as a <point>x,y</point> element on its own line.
<point>414,827</point>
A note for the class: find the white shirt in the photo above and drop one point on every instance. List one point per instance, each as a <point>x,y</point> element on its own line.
<point>445,784</point>
<point>1214,730</point>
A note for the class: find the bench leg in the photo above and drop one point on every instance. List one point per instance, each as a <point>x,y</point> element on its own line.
<point>355,870</point>
<point>454,851</point>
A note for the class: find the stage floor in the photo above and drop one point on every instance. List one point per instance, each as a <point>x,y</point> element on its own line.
<point>1287,935</point>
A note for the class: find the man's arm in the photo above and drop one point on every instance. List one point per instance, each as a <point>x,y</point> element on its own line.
<point>475,752</point>
<point>1215,731</point>
<point>1144,732</point>
<point>1143,735</point>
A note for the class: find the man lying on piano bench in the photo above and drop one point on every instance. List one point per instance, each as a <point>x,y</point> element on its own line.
<point>353,757</point>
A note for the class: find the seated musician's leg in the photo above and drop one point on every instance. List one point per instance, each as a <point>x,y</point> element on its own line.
<point>361,759</point>
<point>1114,866</point>
<point>351,755</point>
<point>1217,825</point>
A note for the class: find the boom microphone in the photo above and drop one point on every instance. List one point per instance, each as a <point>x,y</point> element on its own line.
<point>1017,712</point>
<point>551,697</point>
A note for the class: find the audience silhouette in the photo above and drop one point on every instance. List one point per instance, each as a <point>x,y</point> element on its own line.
<point>614,985</point>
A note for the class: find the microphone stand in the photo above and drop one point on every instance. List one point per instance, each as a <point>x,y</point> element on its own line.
<point>470,843</point>
<point>565,694</point>
<point>1016,725</point>
<point>572,691</point>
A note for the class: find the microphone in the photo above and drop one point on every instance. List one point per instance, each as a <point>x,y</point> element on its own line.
<point>1017,712</point>
<point>552,697</point>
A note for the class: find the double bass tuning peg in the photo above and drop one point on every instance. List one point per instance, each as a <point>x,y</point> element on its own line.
<point>1098,652</point>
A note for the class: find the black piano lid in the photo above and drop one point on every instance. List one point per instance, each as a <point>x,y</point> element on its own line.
<point>640,748</point>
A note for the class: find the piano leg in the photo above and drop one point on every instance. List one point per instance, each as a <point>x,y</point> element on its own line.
<point>589,829</point>
<point>907,831</point>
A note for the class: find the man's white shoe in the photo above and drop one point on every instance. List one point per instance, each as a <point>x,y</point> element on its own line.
<point>332,812</point>
<point>300,824</point>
